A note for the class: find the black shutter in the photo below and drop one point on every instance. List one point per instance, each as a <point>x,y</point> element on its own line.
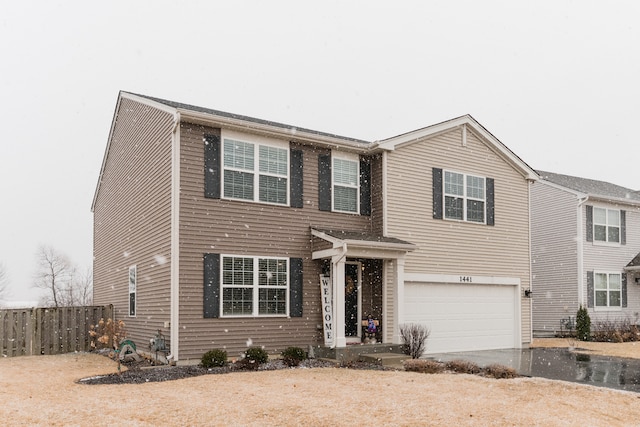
<point>295,287</point>
<point>365,186</point>
<point>589,223</point>
<point>211,285</point>
<point>623,227</point>
<point>295,175</point>
<point>590,290</point>
<point>624,288</point>
<point>212,172</point>
<point>491,216</point>
<point>437,193</point>
<point>324,182</point>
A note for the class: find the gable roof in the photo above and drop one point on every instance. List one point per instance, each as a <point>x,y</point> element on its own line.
<point>210,116</point>
<point>467,123</point>
<point>601,190</point>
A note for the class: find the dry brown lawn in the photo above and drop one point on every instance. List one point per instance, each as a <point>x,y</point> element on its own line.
<point>41,390</point>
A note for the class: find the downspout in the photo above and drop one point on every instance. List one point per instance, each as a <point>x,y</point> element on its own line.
<point>175,240</point>
<point>580,249</point>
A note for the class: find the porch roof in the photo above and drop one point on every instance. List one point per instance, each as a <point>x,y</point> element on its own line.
<point>360,244</point>
<point>634,264</point>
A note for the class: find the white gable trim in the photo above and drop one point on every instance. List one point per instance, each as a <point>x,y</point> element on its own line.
<point>468,124</point>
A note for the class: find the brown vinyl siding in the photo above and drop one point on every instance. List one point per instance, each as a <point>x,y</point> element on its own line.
<point>455,247</point>
<point>132,219</point>
<point>237,227</point>
<point>554,252</point>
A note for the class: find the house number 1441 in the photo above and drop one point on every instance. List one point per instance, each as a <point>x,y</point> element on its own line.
<point>465,279</point>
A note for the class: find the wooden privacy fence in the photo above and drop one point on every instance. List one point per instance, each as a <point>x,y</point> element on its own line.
<point>35,331</point>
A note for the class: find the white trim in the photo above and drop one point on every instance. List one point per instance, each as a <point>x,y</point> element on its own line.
<point>348,157</point>
<point>174,316</point>
<point>133,268</point>
<point>464,135</point>
<point>256,142</point>
<point>607,307</point>
<point>461,279</point>
<point>580,239</point>
<point>473,126</point>
<point>255,287</point>
<point>465,197</point>
<point>385,198</point>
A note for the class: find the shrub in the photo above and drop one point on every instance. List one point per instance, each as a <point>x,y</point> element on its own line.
<point>107,334</point>
<point>253,357</point>
<point>214,358</point>
<point>499,371</point>
<point>414,339</point>
<point>463,366</point>
<point>292,356</point>
<point>615,331</point>
<point>583,324</point>
<point>423,366</point>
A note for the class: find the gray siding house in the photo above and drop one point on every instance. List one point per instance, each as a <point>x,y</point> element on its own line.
<point>585,246</point>
<point>224,231</point>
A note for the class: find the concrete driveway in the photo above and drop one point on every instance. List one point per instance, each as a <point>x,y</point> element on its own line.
<point>558,364</point>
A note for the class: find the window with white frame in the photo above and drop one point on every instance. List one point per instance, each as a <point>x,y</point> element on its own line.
<point>608,289</point>
<point>346,184</point>
<point>464,197</point>
<point>133,284</point>
<point>249,166</point>
<point>254,286</point>
<point>606,225</point>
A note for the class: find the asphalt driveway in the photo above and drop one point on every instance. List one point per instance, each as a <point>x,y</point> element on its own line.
<point>559,364</point>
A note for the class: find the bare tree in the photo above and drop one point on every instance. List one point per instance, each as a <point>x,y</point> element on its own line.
<point>53,275</point>
<point>65,284</point>
<point>81,289</point>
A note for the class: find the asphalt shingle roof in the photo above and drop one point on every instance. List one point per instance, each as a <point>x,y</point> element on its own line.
<point>591,186</point>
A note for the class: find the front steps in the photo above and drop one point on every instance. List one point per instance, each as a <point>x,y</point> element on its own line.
<point>361,352</point>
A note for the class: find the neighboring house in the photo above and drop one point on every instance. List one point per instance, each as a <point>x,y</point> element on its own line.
<point>220,230</point>
<point>585,245</point>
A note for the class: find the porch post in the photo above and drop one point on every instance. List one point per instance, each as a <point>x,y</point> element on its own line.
<point>338,271</point>
<point>398,300</point>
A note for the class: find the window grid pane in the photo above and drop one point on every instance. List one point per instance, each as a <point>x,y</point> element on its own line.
<point>272,189</point>
<point>475,211</point>
<point>475,187</point>
<point>238,185</point>
<point>453,208</point>
<point>345,199</point>
<point>238,154</point>
<point>454,183</point>
<point>345,172</point>
<point>273,160</point>
<point>272,301</point>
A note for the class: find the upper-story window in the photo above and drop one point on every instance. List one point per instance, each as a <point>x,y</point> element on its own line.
<point>608,289</point>
<point>464,197</point>
<point>606,225</point>
<point>346,184</point>
<point>255,171</point>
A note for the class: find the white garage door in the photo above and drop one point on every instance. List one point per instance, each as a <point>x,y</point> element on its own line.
<point>463,317</point>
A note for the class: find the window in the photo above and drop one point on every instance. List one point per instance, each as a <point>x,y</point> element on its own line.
<point>606,225</point>
<point>345,178</point>
<point>249,165</point>
<point>464,197</point>
<point>132,290</point>
<point>608,289</point>
<point>253,286</point>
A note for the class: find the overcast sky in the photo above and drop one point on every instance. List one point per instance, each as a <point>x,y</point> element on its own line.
<point>558,82</point>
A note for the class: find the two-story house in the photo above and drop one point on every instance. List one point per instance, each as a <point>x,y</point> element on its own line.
<point>225,231</point>
<point>585,245</point>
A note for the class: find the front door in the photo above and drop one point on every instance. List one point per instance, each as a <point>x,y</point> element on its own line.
<point>352,301</point>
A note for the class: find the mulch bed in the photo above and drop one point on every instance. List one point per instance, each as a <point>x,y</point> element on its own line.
<point>144,372</point>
